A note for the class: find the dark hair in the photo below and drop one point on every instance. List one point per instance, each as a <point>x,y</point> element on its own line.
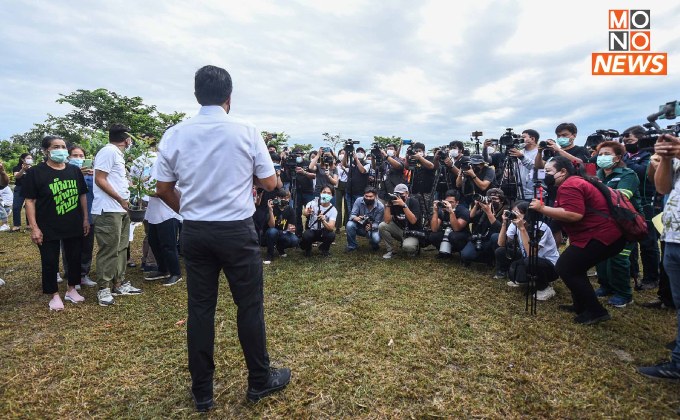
<point>418,145</point>
<point>212,85</point>
<point>47,141</point>
<point>273,145</point>
<point>282,192</point>
<point>118,133</point>
<point>637,130</point>
<point>619,150</point>
<point>452,193</point>
<point>570,127</point>
<point>560,162</point>
<point>23,156</point>
<point>371,190</point>
<point>532,133</point>
<point>392,145</point>
<point>330,187</point>
<point>74,147</point>
<point>457,144</point>
<point>522,206</point>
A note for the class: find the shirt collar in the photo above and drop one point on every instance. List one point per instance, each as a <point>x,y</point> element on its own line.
<point>212,110</point>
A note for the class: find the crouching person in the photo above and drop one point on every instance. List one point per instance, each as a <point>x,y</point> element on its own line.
<point>485,216</point>
<point>367,214</point>
<point>281,226</point>
<point>450,221</point>
<point>402,214</point>
<point>321,216</point>
<point>513,252</point>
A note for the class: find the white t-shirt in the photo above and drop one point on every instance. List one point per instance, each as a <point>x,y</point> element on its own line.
<point>330,216</point>
<point>526,171</point>
<point>158,212</point>
<point>7,196</point>
<point>670,220</point>
<point>110,160</point>
<point>547,248</point>
<point>213,158</point>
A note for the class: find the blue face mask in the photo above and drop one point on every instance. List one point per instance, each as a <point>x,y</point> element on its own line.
<point>605,162</point>
<point>76,162</point>
<point>563,141</point>
<point>59,155</point>
<point>326,198</point>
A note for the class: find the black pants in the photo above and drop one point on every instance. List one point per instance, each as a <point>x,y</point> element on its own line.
<point>544,271</point>
<point>163,243</point>
<point>458,240</point>
<point>49,258</point>
<point>649,254</point>
<point>85,254</point>
<point>573,268</point>
<point>310,236</point>
<point>505,256</point>
<point>232,247</point>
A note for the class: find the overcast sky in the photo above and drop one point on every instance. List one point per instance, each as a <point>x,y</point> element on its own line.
<point>428,70</point>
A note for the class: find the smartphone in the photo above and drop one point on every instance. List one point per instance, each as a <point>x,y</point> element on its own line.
<point>540,174</point>
<point>672,110</point>
<point>407,141</point>
<point>87,163</point>
<point>277,167</point>
<point>494,142</point>
<point>326,149</point>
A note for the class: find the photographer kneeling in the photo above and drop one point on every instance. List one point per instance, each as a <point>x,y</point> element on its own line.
<point>512,252</point>
<point>367,214</point>
<point>474,177</point>
<point>402,216</point>
<point>485,216</point>
<point>451,221</point>
<point>321,216</point>
<point>281,225</point>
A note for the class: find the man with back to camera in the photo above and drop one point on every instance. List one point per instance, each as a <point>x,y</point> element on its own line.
<point>218,231</point>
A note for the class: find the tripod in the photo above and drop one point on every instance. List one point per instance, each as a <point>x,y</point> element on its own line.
<point>511,181</point>
<point>532,270</point>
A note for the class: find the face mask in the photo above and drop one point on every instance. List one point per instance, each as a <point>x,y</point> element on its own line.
<point>453,153</point>
<point>605,162</point>
<point>390,153</point>
<point>632,148</point>
<point>76,162</point>
<point>341,156</point>
<point>360,155</point>
<point>369,203</point>
<point>563,141</point>
<point>549,180</point>
<point>420,154</point>
<point>490,150</point>
<point>128,147</point>
<point>29,161</point>
<point>325,198</point>
<point>59,155</point>
<point>298,159</point>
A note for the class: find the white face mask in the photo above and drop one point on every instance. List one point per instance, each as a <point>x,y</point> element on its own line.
<point>390,153</point>
<point>29,161</point>
<point>341,156</point>
<point>453,153</point>
<point>360,155</point>
<point>490,150</point>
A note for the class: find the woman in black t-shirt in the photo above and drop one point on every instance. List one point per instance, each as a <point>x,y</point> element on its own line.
<point>19,171</point>
<point>56,208</point>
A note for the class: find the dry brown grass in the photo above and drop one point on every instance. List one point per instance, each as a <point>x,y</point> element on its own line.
<point>365,337</point>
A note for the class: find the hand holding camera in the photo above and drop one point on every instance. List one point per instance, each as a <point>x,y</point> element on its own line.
<point>298,170</point>
<point>667,146</point>
<point>270,204</point>
<point>469,172</point>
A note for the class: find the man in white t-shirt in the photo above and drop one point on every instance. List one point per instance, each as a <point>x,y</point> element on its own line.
<point>218,233</point>
<point>111,220</point>
<point>526,159</point>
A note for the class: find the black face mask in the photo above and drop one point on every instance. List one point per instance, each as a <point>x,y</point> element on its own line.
<point>369,203</point>
<point>549,180</point>
<point>632,148</point>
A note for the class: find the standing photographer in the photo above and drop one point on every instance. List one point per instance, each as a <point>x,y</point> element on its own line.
<point>473,178</point>
<point>341,192</point>
<point>281,225</point>
<point>515,258</point>
<point>485,216</point>
<point>304,186</point>
<point>323,166</point>
<point>367,214</point>
<point>394,170</point>
<point>402,214</point>
<point>357,179</point>
<point>638,160</point>
<point>451,217</point>
<point>592,238</point>
<point>321,216</point>
<point>563,146</point>
<point>422,171</point>
<point>526,159</point>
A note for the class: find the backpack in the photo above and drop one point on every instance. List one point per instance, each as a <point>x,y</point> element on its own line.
<point>631,223</point>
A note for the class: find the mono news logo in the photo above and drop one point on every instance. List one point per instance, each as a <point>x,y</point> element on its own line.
<point>630,43</point>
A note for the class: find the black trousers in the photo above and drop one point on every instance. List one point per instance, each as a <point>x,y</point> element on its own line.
<point>163,243</point>
<point>650,256</point>
<point>573,268</point>
<point>85,255</point>
<point>49,259</point>
<point>310,236</point>
<point>458,240</point>
<point>506,256</point>
<point>231,247</point>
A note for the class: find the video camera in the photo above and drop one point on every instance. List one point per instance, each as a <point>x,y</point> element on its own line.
<point>291,162</point>
<point>509,139</point>
<point>669,111</point>
<point>442,153</point>
<point>600,136</point>
<point>349,145</point>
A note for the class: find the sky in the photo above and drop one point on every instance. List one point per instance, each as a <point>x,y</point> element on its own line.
<point>432,71</point>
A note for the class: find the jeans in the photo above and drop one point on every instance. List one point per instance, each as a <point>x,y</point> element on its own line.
<point>354,229</point>
<point>49,259</point>
<point>231,247</point>
<point>350,199</point>
<point>302,200</point>
<point>163,242</point>
<point>17,204</point>
<point>470,253</point>
<point>613,274</point>
<point>671,263</point>
<point>281,240</point>
<point>4,213</point>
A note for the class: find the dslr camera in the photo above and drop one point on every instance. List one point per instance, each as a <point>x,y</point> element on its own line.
<point>367,222</point>
<point>481,198</point>
<point>547,153</point>
<point>509,215</point>
<point>280,202</point>
<point>478,240</point>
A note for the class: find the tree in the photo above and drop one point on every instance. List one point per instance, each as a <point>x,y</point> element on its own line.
<point>384,141</point>
<point>333,141</point>
<point>306,148</point>
<point>280,140</point>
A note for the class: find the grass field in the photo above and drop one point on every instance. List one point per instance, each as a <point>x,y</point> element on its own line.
<point>364,337</point>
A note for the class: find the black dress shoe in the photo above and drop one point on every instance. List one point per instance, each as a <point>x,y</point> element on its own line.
<point>588,318</point>
<point>567,308</point>
<point>277,380</point>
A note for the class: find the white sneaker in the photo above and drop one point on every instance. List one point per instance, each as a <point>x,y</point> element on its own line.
<point>283,255</point>
<point>267,262</point>
<point>87,281</point>
<point>73,296</point>
<point>4,228</point>
<point>104,297</point>
<point>545,294</point>
<point>513,283</point>
<point>125,289</point>
<point>59,279</point>
<point>2,282</point>
<point>388,255</point>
